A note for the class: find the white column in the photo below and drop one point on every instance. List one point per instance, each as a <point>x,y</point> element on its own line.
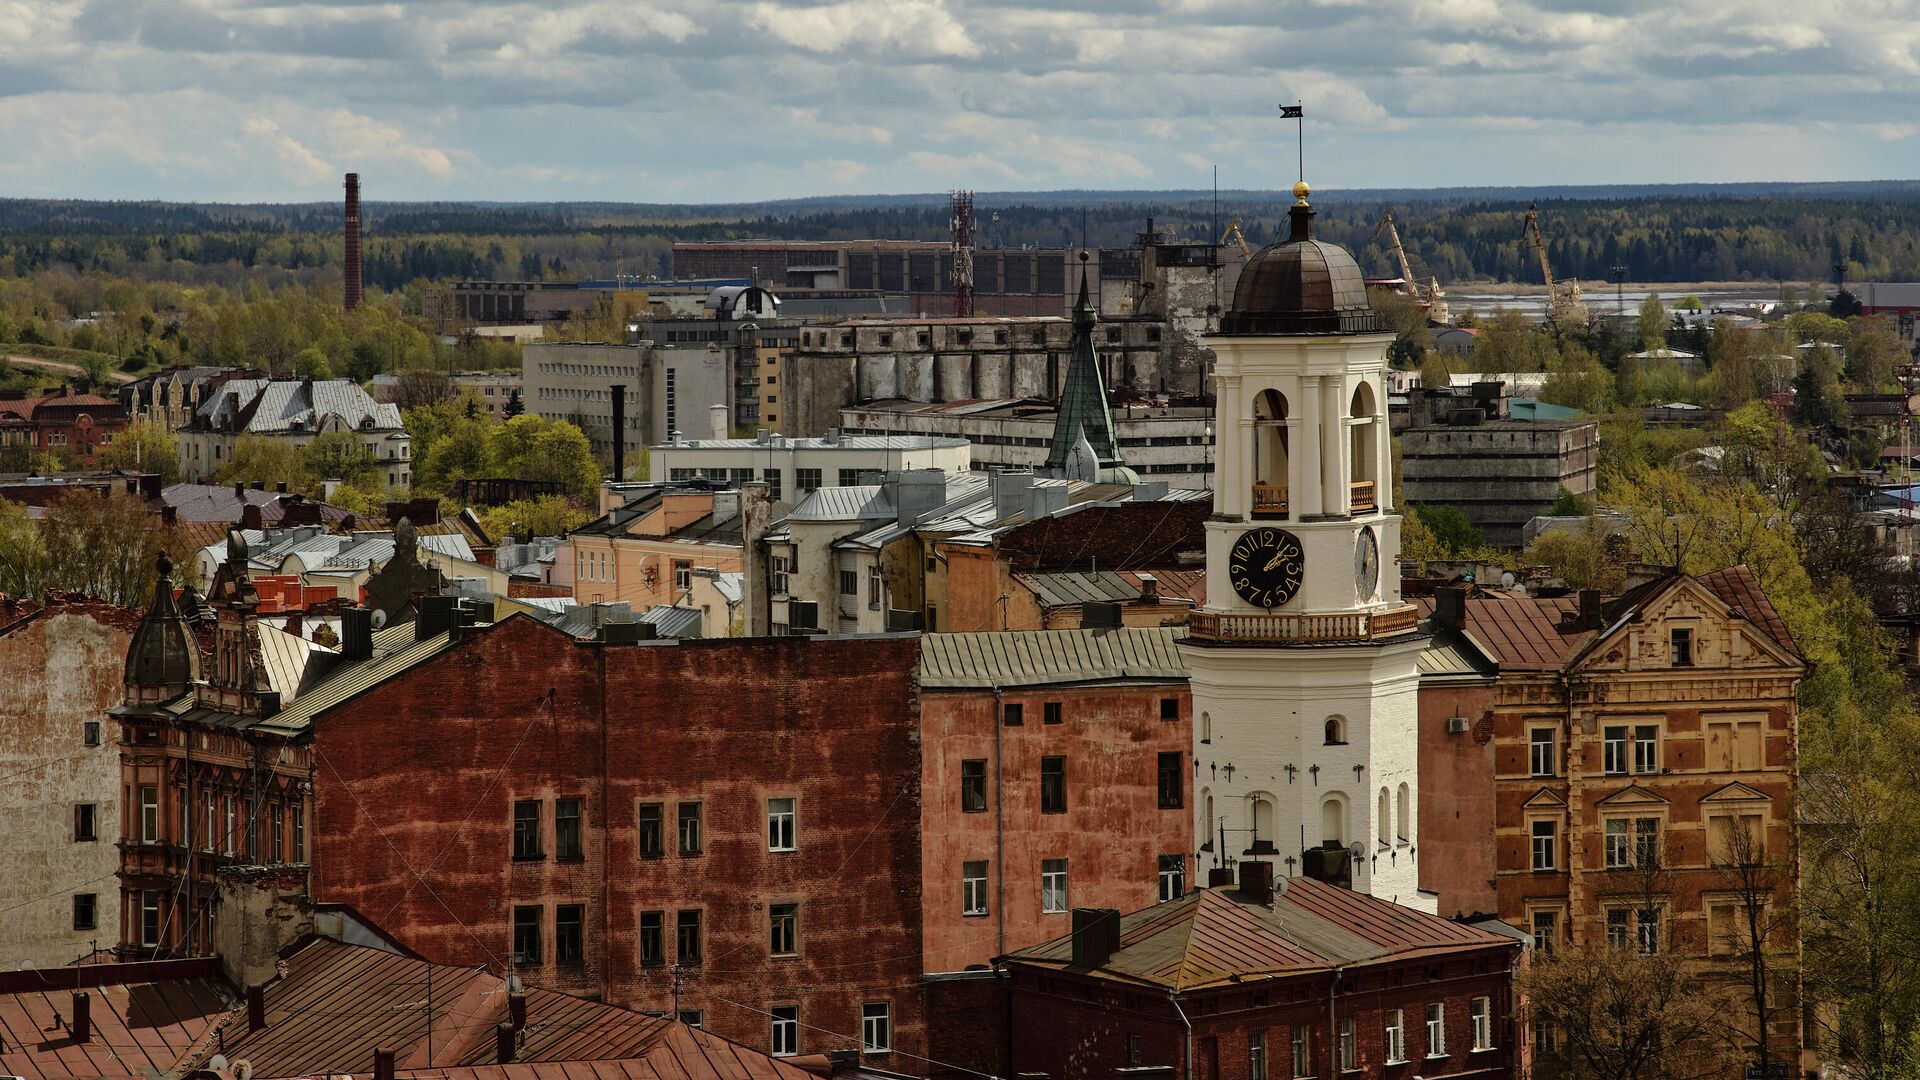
<point>1305,448</point>
<point>1382,451</point>
<point>1333,456</point>
<point>1232,448</point>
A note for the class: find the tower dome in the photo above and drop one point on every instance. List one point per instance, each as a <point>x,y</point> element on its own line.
<point>1301,286</point>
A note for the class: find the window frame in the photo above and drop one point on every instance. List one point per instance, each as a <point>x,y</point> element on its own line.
<point>973,887</point>
<point>1480,1019</point>
<point>528,919</point>
<point>1013,714</point>
<point>1682,650</point>
<point>1300,1045</point>
<point>1173,869</point>
<point>1053,712</point>
<point>783,826</point>
<point>973,786</point>
<point>1349,1043</point>
<point>1054,885</point>
<point>682,833</point>
<point>572,954</point>
<point>1171,782</point>
<point>1552,849</point>
<point>657,955</point>
<point>1534,750</point>
<point>872,1022</point>
<point>681,926</point>
<point>1436,1029</point>
<point>657,833</point>
<point>783,929</point>
<point>1170,709</point>
<point>1053,784</point>
<point>1256,1055</point>
<point>86,822</point>
<point>91,902</point>
<point>527,837</point>
<point>783,1037</point>
<point>576,851</point>
<point>1393,1027</point>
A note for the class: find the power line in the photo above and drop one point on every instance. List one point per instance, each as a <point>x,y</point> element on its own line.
<point>57,892</point>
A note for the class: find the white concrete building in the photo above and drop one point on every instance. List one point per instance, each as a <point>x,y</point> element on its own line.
<point>1160,442</point>
<point>1304,657</point>
<point>793,468</point>
<point>297,411</point>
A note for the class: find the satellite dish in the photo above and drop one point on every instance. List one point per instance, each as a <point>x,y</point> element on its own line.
<point>379,619</point>
<point>1356,848</point>
<point>26,965</point>
<point>217,1062</point>
<point>243,1070</point>
<point>1506,580</point>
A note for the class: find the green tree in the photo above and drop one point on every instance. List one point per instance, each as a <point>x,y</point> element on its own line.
<point>1730,355</point>
<point>1508,342</point>
<point>548,515</point>
<point>23,554</point>
<point>105,546</point>
<point>143,447</point>
<point>1451,528</point>
<point>1577,380</point>
<point>1810,326</point>
<point>552,451</point>
<point>1579,557</point>
<point>1818,400</point>
<point>1412,336</point>
<point>1653,324</point>
<point>266,460</point>
<point>341,455</point>
<point>1874,352</point>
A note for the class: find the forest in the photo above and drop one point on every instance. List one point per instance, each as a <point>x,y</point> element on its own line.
<point>1676,233</point>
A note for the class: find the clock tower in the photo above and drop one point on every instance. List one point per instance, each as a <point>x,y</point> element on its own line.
<point>1303,660</point>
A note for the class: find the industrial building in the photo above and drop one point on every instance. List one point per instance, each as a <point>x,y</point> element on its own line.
<point>1469,453</point>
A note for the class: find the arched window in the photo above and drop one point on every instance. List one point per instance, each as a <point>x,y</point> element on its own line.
<point>1364,437</point>
<point>1385,816</point>
<point>1403,814</point>
<point>1262,813</point>
<point>1333,820</point>
<point>1270,452</point>
<point>1336,730</point>
<point>1206,727</point>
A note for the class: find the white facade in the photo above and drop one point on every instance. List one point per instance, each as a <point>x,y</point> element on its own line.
<point>795,467</point>
<point>1305,713</point>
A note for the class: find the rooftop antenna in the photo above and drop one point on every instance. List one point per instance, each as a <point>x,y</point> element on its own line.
<point>1297,112</point>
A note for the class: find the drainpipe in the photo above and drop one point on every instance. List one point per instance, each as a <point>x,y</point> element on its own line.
<point>1173,999</point>
<point>999,827</point>
<point>1333,1024</point>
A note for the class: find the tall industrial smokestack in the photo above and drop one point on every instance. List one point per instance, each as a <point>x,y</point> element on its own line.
<point>619,432</point>
<point>352,270</point>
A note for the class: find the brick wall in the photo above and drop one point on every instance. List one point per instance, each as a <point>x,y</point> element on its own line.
<point>1457,799</point>
<point>1112,833</point>
<point>437,757</point>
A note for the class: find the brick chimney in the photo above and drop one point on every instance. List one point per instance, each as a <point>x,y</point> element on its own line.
<point>1096,936</point>
<point>1450,606</point>
<point>1256,881</point>
<point>82,1027</point>
<point>353,286</point>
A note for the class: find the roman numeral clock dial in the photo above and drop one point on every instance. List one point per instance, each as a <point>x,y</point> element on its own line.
<point>1266,566</point>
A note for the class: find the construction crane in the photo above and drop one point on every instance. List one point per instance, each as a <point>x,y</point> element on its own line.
<point>1233,233</point>
<point>1564,305</point>
<point>1430,297</point>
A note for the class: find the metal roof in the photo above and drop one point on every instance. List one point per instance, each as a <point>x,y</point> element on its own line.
<point>139,1029</point>
<point>337,1002</point>
<point>292,662</point>
<point>1214,937</point>
<point>394,651</point>
<point>1049,657</point>
<point>1062,588</point>
<point>1448,657</point>
<point>671,621</point>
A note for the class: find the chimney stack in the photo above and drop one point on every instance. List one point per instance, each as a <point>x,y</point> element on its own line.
<point>256,1008</point>
<point>1450,606</point>
<point>503,1043</point>
<point>1256,881</point>
<point>619,432</point>
<point>1096,936</point>
<point>383,1065</point>
<point>82,1016</point>
<point>517,1008</point>
<point>352,261</point>
<point>717,417</point>
<point>1591,616</point>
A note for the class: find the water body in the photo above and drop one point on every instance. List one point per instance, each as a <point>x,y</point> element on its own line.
<point>1600,299</point>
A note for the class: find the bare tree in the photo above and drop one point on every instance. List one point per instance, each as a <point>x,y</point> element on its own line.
<point>422,387</point>
<point>1759,916</point>
<point>1621,1014</point>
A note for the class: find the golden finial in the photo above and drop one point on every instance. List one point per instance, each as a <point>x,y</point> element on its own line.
<point>1301,191</point>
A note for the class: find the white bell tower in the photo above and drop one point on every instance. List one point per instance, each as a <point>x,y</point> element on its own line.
<point>1303,660</point>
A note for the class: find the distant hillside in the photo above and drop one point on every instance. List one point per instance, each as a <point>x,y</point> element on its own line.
<point>1666,232</point>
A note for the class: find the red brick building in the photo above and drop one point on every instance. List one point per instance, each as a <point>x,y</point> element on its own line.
<point>1259,983</point>
<point>1010,721</point>
<point>77,426</point>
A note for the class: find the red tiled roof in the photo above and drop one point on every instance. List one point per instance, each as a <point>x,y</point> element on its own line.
<point>1519,633</point>
<point>139,1028</point>
<point>1741,591</point>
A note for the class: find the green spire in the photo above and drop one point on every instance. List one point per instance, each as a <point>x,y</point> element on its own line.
<point>1084,415</point>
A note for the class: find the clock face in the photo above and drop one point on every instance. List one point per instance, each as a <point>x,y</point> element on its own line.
<point>1266,566</point>
<point>1366,565</point>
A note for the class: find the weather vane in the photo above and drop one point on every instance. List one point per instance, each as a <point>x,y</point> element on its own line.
<point>1296,112</point>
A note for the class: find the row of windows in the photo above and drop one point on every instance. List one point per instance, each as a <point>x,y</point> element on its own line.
<point>1014,713</point>
<point>1393,1038</point>
<point>1734,837</point>
<point>529,836</point>
<point>1733,745</point>
<point>1054,874</point>
<point>229,825</point>
<point>876,1029</point>
<point>1170,783</point>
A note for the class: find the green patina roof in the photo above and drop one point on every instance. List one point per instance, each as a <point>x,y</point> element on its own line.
<point>1083,400</point>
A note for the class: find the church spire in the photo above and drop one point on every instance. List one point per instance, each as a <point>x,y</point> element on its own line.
<point>162,660</point>
<point>1084,446</point>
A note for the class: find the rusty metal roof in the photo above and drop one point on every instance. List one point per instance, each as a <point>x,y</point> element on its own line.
<point>337,1003</point>
<point>1049,657</point>
<point>138,1028</point>
<point>1741,591</point>
<point>1216,936</point>
<point>1519,633</point>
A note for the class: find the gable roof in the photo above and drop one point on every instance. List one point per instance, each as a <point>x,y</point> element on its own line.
<point>1740,589</point>
<point>1634,795</point>
<point>140,1027</point>
<point>1214,937</point>
<point>1737,792</point>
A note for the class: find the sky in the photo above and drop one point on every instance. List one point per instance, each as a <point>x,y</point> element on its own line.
<point>723,100</point>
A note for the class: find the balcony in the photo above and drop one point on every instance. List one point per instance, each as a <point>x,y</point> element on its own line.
<point>1361,497</point>
<point>1270,500</point>
<point>1301,629</point>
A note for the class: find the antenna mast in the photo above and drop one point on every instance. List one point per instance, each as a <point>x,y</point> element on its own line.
<point>962,227</point>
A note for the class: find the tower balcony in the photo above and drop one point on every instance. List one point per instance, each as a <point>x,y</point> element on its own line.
<point>1269,500</point>
<point>1361,497</point>
<point>1249,628</point>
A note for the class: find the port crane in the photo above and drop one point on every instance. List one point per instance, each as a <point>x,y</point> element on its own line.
<point>1233,233</point>
<point>1564,305</point>
<point>1430,296</point>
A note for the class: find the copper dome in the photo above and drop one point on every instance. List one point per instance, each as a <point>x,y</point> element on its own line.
<point>1301,286</point>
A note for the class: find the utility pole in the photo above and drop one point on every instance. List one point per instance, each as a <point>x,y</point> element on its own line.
<point>1619,295</point>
